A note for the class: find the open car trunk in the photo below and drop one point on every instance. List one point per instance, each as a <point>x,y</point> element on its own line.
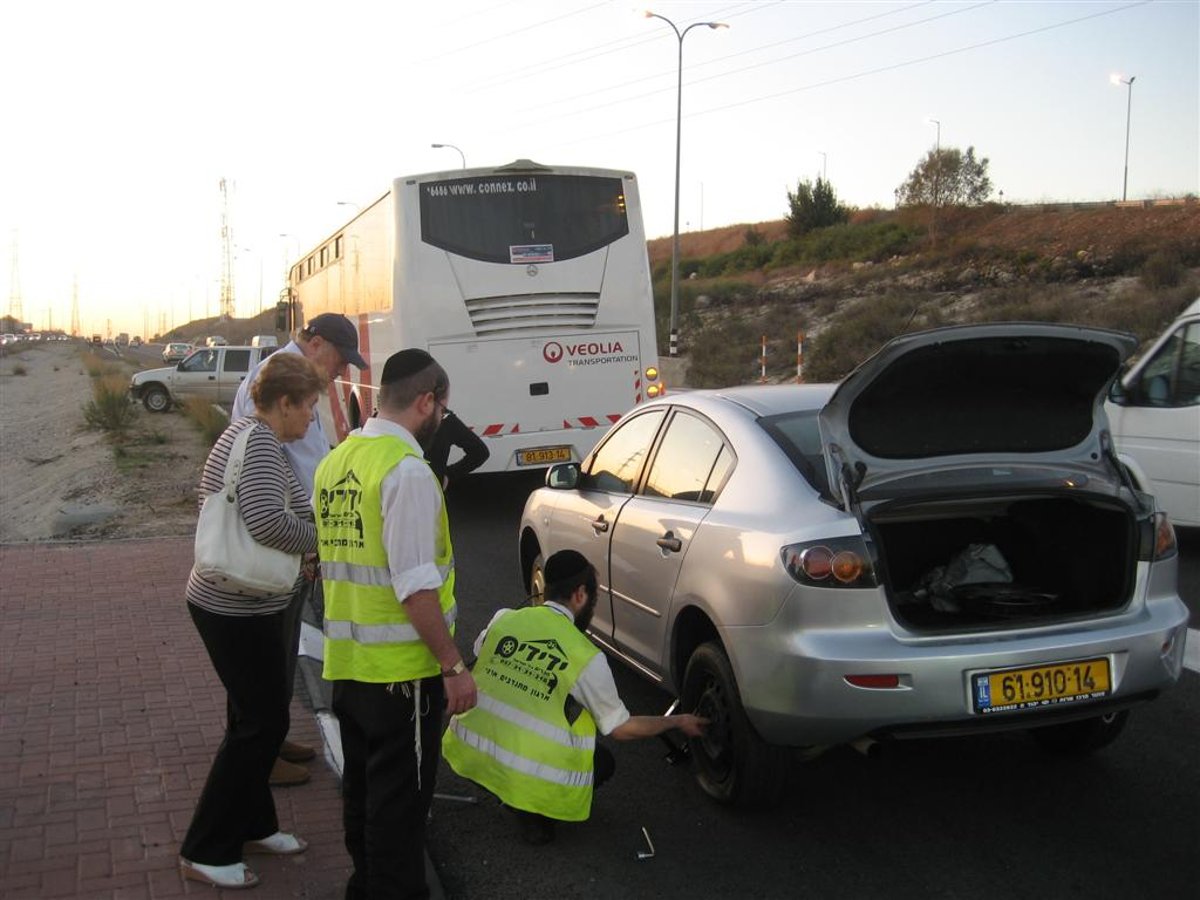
<point>1003,563</point>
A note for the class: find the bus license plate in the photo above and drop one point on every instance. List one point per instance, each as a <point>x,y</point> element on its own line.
<point>541,456</point>
<point>1038,686</point>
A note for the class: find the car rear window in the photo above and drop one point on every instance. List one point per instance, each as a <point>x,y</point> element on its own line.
<point>799,436</point>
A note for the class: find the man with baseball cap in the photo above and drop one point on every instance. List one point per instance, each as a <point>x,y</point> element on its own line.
<point>544,691</point>
<point>330,341</point>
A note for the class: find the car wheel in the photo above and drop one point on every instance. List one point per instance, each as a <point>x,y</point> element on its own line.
<point>732,764</point>
<point>156,399</point>
<point>1080,738</point>
<point>537,580</point>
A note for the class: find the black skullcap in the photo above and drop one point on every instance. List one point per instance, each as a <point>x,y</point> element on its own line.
<point>564,565</point>
<point>404,363</point>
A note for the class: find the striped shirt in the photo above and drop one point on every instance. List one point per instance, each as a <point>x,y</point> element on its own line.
<point>266,479</point>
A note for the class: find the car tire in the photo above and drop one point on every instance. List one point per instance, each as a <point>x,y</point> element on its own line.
<point>537,580</point>
<point>156,399</point>
<point>731,763</point>
<point>1081,738</point>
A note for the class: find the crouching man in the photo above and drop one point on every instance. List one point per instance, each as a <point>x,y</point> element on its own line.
<point>544,692</point>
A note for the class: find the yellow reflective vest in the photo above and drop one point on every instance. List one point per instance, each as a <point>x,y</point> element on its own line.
<point>520,742</point>
<point>368,635</point>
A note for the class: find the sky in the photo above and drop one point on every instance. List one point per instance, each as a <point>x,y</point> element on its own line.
<point>122,117</point>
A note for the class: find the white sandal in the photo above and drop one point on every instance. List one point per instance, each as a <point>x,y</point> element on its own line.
<point>234,876</point>
<point>279,844</point>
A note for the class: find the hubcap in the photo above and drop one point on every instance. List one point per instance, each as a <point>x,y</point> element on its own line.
<point>717,742</point>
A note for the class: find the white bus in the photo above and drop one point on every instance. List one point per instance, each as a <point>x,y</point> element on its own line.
<point>530,284</point>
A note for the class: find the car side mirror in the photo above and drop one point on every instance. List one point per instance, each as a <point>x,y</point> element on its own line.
<point>1118,394</point>
<point>563,477</point>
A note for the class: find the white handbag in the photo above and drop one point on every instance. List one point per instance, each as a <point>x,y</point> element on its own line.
<point>226,553</point>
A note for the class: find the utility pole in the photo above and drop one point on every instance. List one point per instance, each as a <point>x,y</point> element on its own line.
<point>15,312</point>
<point>228,303</point>
<point>75,329</point>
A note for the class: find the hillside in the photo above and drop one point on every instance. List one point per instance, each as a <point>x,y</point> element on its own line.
<point>850,288</point>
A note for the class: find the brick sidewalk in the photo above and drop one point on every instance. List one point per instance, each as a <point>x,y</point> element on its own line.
<point>110,714</point>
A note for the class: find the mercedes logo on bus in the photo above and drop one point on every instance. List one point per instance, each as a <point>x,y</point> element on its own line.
<point>531,270</point>
<point>552,352</point>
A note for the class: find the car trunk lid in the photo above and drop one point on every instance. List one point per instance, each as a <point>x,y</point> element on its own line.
<point>1025,394</point>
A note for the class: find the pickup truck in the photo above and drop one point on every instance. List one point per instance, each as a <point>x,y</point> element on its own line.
<point>212,373</point>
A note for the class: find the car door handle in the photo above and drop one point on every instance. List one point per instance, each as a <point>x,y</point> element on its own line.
<point>669,542</point>
<point>599,525</point>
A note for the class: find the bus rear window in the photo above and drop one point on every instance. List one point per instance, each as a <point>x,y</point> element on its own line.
<point>523,218</point>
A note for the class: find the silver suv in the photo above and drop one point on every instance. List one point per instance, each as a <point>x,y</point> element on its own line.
<point>945,543</point>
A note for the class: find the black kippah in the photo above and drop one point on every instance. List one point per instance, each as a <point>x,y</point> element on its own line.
<point>404,363</point>
<point>564,565</point>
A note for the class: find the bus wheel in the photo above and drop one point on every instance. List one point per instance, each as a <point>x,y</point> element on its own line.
<point>156,399</point>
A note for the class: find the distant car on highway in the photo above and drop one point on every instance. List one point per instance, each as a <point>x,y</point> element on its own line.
<point>215,340</point>
<point>1155,415</point>
<point>943,544</point>
<point>212,373</point>
<point>176,352</point>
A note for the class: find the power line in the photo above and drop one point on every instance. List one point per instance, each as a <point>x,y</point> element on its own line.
<point>808,52</point>
<point>598,51</point>
<point>866,73</point>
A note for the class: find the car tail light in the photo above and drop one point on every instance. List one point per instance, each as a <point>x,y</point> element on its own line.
<point>1157,539</point>
<point>841,562</point>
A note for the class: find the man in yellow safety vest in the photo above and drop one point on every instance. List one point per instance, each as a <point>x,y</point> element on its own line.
<point>388,568</point>
<point>544,692</point>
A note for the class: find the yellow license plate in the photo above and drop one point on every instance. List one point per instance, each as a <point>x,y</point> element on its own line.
<point>542,456</point>
<point>1033,687</point>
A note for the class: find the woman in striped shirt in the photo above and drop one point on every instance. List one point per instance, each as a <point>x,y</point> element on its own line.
<point>245,636</point>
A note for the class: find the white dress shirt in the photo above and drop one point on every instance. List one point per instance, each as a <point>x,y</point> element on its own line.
<point>305,454</point>
<point>411,502</point>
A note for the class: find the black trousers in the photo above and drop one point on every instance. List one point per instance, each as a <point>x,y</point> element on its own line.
<point>384,800</point>
<point>249,655</point>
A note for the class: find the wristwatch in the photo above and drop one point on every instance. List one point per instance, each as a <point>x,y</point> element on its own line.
<point>457,669</point>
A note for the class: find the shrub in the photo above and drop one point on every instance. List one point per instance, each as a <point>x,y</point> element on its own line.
<point>723,354</point>
<point>210,419</point>
<point>858,332</point>
<point>1162,270</point>
<point>19,369</point>
<point>109,409</point>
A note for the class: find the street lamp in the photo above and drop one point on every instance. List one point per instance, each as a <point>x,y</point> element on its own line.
<point>451,147</point>
<point>350,203</point>
<point>1128,82</point>
<point>678,134</point>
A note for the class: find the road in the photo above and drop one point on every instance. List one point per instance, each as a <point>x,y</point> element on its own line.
<point>988,816</point>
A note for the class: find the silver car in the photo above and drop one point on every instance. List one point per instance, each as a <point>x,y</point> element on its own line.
<point>943,544</point>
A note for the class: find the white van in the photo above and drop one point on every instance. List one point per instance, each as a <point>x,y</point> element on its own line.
<point>1154,411</point>
<point>264,340</point>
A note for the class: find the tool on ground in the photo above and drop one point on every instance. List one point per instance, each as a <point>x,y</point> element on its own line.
<point>642,854</point>
<point>457,798</point>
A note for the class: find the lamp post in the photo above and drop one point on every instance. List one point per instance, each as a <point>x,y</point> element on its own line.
<point>823,162</point>
<point>680,35</point>
<point>451,147</point>
<point>1128,82</point>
